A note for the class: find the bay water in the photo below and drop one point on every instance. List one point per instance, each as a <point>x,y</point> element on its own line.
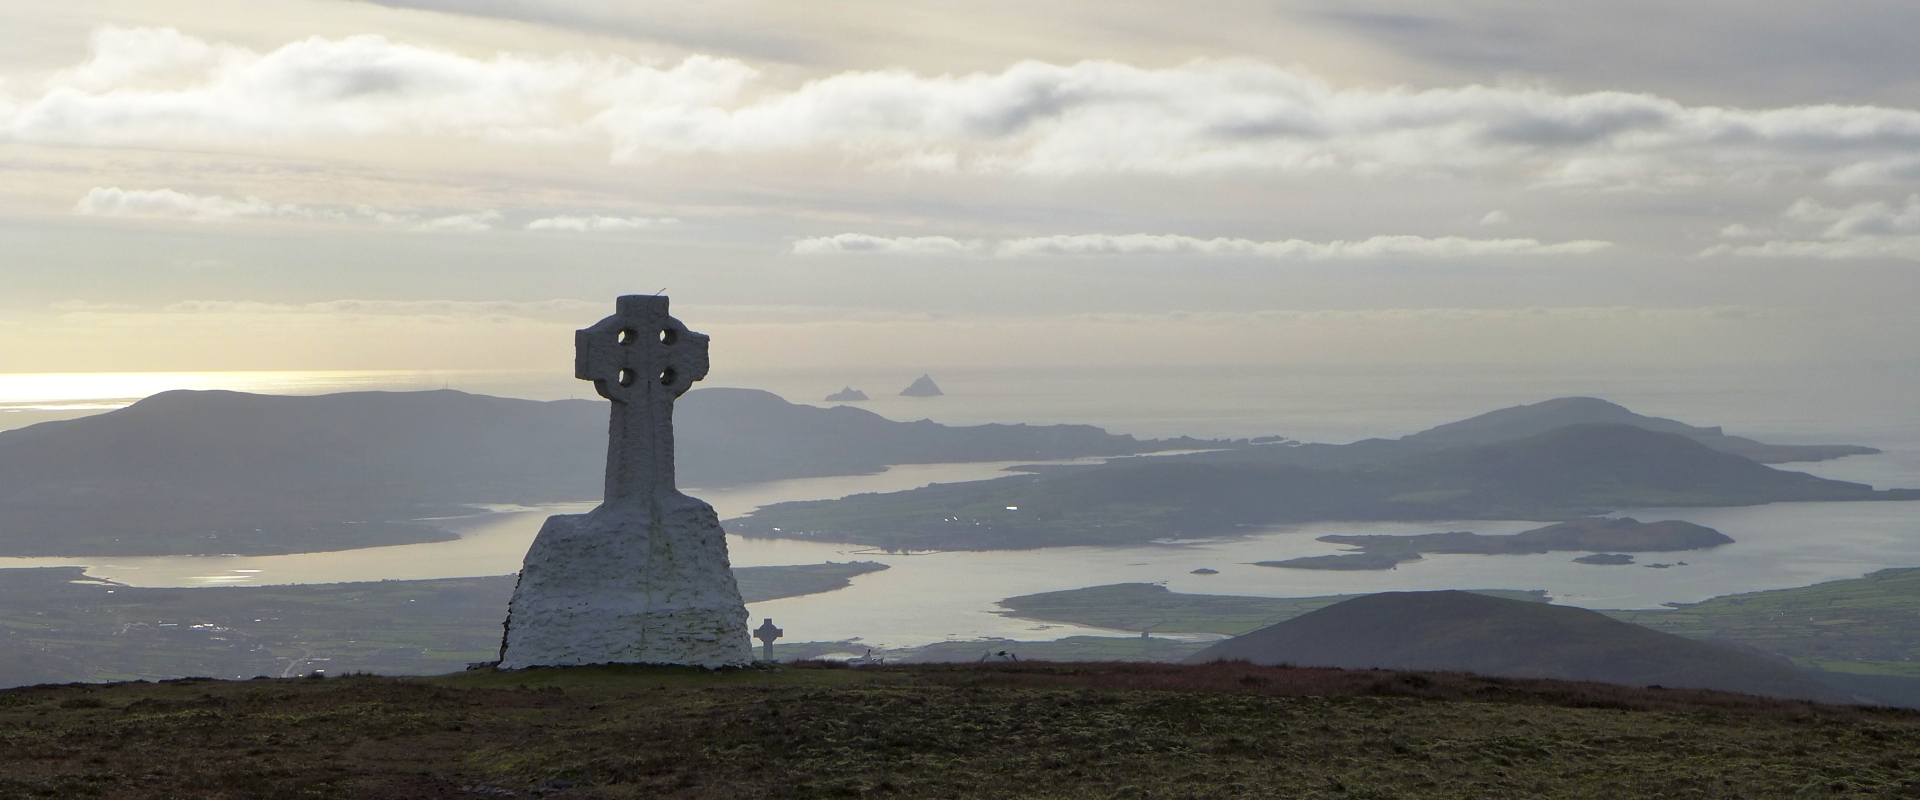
<point>923,598</point>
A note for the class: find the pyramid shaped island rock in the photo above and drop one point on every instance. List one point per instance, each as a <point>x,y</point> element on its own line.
<point>924,387</point>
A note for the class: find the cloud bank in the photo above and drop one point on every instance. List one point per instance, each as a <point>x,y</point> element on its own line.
<point>1375,247</point>
<point>902,245</point>
<point>1101,244</point>
<point>113,201</point>
<point>157,87</point>
<point>1864,230</point>
<point>597,223</point>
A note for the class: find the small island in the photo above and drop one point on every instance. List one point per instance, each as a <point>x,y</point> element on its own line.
<point>847,395</point>
<point>923,387</point>
<point>1345,561</point>
<point>1605,559</point>
<point>1589,534</point>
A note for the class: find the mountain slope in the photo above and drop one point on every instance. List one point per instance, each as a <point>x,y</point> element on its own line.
<point>1520,422</point>
<point>1467,632</point>
<point>1598,467</point>
<point>729,436</point>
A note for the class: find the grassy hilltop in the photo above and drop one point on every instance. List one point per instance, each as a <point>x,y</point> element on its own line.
<point>1087,730</point>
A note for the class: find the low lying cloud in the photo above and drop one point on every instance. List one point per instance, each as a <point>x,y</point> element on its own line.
<point>158,87</point>
<point>1375,247</point>
<point>1101,244</point>
<point>1899,247</point>
<point>1864,230</point>
<point>1861,219</point>
<point>116,202</point>
<point>902,245</point>
<point>534,309</point>
<point>474,222</point>
<point>593,224</point>
<point>113,201</point>
<point>1893,171</point>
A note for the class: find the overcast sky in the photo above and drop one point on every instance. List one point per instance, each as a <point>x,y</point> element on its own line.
<point>457,184</point>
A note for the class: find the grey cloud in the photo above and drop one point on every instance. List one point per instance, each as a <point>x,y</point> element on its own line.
<point>1872,173</point>
<point>616,17</point>
<point>1089,117</point>
<point>1875,218</point>
<point>112,201</point>
<point>860,243</point>
<point>1716,51</point>
<point>1875,229</point>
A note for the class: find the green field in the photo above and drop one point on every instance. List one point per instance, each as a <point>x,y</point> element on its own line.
<point>984,731</point>
<point>1867,625</point>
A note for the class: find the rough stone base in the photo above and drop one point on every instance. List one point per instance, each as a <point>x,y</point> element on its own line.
<point>642,582</point>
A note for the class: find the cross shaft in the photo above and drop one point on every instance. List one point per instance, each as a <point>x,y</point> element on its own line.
<point>641,359</point>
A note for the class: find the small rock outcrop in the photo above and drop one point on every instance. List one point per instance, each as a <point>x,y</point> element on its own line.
<point>924,387</point>
<point>847,395</point>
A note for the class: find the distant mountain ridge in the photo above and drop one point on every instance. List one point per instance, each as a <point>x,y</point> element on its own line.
<point>1520,422</point>
<point>220,472</point>
<point>1570,472</point>
<point>1468,632</point>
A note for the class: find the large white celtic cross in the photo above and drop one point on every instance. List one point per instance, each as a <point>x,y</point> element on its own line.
<point>642,360</point>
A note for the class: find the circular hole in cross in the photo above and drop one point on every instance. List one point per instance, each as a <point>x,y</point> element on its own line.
<point>669,336</point>
<point>626,377</point>
<point>627,336</point>
<point>666,377</point>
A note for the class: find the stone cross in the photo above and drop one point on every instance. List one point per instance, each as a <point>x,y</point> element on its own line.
<point>642,360</point>
<point>766,634</point>
<point>644,577</point>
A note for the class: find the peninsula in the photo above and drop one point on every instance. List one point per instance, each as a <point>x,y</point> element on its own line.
<point>1563,474</point>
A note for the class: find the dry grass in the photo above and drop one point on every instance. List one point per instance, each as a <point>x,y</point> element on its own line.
<point>1006,730</point>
